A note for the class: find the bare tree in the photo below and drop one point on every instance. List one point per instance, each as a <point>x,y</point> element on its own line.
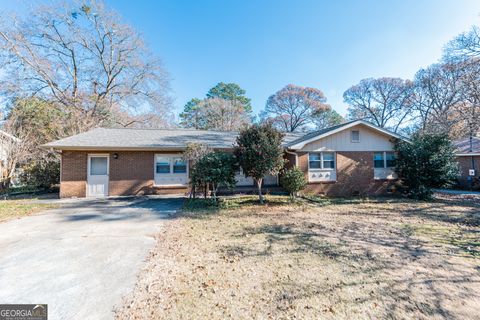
<point>463,52</point>
<point>464,46</point>
<point>466,113</point>
<point>438,91</point>
<point>328,118</point>
<point>386,102</point>
<point>83,58</point>
<point>221,114</point>
<point>292,108</point>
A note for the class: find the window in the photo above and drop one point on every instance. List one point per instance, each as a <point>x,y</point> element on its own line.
<point>390,159</point>
<point>384,160</point>
<point>355,136</point>
<point>378,160</point>
<point>98,166</point>
<point>321,160</point>
<point>315,160</point>
<point>179,166</point>
<point>163,166</point>
<point>328,160</point>
<point>170,170</point>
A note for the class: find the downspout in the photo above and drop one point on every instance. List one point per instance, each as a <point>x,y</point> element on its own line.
<point>472,159</point>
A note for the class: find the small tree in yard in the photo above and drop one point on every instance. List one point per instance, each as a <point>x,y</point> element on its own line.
<point>215,169</point>
<point>293,180</point>
<point>193,153</point>
<point>259,152</point>
<point>427,162</point>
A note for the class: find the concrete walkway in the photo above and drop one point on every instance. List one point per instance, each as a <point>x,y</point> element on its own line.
<point>82,258</point>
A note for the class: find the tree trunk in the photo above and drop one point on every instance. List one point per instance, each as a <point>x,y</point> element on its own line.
<point>259,186</point>
<point>214,192</point>
<point>192,192</point>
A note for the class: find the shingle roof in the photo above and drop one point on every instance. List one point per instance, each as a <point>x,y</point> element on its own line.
<point>103,138</point>
<point>312,134</point>
<point>462,146</point>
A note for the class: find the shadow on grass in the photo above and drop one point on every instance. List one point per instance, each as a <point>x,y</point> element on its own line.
<point>367,257</point>
<point>201,208</point>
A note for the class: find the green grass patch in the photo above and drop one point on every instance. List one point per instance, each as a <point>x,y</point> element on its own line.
<point>467,240</point>
<point>10,209</point>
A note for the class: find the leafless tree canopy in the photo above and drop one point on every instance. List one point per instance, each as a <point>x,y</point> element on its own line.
<point>83,58</point>
<point>385,102</point>
<point>327,118</point>
<point>470,106</point>
<point>465,46</point>
<point>221,114</point>
<point>438,90</point>
<point>293,107</point>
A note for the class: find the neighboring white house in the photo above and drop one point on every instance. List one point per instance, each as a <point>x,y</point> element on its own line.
<point>7,142</point>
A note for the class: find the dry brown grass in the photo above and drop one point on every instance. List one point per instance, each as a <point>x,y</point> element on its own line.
<point>376,259</point>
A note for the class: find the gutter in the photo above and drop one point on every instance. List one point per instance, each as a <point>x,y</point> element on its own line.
<point>467,154</point>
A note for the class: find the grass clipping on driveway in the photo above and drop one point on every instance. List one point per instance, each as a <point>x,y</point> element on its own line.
<point>11,209</point>
<point>332,260</point>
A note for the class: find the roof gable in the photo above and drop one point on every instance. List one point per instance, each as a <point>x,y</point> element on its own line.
<point>317,135</point>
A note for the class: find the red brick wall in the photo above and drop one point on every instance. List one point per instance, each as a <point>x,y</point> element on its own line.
<point>465,164</point>
<point>132,173</point>
<point>354,175</point>
<point>73,174</point>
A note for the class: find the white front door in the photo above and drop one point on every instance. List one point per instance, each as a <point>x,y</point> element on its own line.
<point>97,177</point>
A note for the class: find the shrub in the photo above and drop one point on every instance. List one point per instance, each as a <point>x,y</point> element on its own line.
<point>215,169</point>
<point>293,180</point>
<point>40,174</point>
<point>193,153</point>
<point>427,162</point>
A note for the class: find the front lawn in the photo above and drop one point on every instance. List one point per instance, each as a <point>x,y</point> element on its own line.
<point>328,259</point>
<point>10,209</point>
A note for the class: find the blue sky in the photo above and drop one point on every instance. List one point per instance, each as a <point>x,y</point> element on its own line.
<point>264,45</point>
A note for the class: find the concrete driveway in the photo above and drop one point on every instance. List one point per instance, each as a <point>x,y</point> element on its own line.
<point>82,258</point>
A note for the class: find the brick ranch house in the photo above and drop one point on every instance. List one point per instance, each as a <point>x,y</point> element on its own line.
<point>352,158</point>
<point>468,156</point>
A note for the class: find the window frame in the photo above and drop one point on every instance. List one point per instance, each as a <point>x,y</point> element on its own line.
<point>351,136</point>
<point>334,154</point>
<point>384,159</point>
<point>169,165</point>
<point>171,157</point>
<point>91,167</point>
